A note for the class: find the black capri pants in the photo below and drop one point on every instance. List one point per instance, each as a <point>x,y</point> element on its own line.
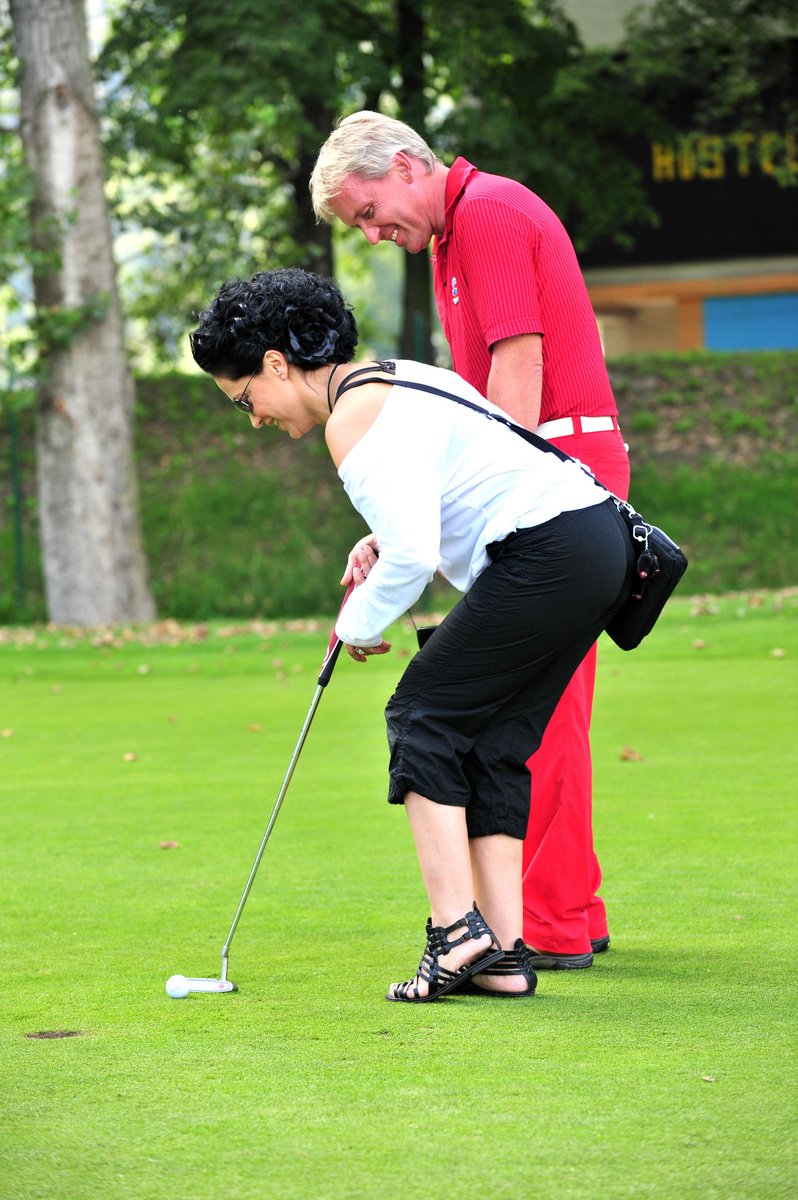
<point>473,704</point>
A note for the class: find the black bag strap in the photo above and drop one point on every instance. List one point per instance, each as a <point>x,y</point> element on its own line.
<point>638,526</point>
<point>390,368</point>
<point>534,439</point>
<point>386,365</point>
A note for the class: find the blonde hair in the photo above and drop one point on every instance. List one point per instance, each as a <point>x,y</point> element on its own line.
<point>362,144</point>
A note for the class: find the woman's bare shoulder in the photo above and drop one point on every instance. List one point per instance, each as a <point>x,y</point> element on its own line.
<point>353,416</point>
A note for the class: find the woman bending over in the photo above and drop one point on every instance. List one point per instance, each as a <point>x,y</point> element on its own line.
<point>535,545</point>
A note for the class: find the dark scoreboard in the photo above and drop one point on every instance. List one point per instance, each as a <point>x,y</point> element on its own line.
<point>717,195</point>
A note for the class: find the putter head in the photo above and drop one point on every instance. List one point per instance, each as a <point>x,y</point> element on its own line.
<point>179,986</point>
<point>211,985</point>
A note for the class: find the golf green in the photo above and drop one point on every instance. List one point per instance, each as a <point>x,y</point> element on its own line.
<point>138,769</point>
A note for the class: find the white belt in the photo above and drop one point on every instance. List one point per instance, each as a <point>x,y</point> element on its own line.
<point>566,426</point>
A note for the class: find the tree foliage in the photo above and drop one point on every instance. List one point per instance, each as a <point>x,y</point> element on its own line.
<point>16,193</point>
<point>215,116</point>
<point>529,101</point>
<point>718,59</point>
<point>722,64</point>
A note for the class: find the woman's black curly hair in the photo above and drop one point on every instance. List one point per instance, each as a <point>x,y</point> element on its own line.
<point>302,315</point>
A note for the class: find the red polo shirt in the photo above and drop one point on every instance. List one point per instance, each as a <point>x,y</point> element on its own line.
<point>505,266</point>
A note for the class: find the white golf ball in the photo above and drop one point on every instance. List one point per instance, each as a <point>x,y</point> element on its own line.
<point>177,987</point>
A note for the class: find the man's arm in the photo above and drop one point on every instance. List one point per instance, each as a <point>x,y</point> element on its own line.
<point>515,382</point>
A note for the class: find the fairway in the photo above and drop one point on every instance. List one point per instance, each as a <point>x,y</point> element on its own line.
<point>138,770</point>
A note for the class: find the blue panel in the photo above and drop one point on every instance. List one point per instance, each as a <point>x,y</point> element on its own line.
<point>751,322</point>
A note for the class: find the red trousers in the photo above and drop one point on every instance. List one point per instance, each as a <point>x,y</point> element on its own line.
<point>562,911</point>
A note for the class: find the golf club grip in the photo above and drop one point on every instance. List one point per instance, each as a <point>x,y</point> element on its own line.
<point>333,646</point>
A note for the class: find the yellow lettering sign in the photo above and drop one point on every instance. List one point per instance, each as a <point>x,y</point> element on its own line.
<point>741,142</point>
<point>663,162</point>
<point>767,147</point>
<point>685,161</point>
<point>713,156</point>
<point>710,154</point>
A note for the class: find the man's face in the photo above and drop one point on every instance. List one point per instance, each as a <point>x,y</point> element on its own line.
<point>396,208</point>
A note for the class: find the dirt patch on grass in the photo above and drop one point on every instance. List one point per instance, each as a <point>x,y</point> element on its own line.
<point>57,1033</point>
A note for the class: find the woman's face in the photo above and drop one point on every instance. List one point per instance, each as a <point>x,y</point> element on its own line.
<point>269,399</point>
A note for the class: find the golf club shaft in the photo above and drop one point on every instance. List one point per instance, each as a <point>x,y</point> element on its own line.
<point>330,659</point>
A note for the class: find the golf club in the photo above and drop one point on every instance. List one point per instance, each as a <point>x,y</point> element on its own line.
<point>179,986</point>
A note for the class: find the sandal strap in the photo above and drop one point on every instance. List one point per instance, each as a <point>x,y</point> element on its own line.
<point>517,961</point>
<point>434,974</point>
<point>407,990</point>
<point>440,979</point>
<point>473,923</point>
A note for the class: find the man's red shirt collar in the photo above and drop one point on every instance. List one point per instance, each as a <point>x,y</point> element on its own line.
<point>460,172</point>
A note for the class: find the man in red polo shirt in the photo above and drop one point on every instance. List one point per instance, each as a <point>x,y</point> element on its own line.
<point>521,329</point>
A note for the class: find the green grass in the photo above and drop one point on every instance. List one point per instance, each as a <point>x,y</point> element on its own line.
<point>736,524</point>
<point>668,1070</point>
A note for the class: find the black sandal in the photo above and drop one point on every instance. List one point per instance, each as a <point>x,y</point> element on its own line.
<point>517,961</point>
<point>439,979</point>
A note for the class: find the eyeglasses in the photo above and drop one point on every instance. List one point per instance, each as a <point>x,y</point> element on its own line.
<point>243,402</point>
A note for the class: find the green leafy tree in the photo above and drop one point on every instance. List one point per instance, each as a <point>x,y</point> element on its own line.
<point>216,114</point>
<point>530,102</point>
<point>511,87</point>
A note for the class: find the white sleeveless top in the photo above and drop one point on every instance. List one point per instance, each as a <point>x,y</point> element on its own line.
<point>437,483</point>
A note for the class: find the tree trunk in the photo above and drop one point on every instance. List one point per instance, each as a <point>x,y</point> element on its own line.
<point>315,237</point>
<point>94,566</point>
<point>416,336</point>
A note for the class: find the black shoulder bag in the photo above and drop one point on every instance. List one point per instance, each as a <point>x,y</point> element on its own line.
<point>660,563</point>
